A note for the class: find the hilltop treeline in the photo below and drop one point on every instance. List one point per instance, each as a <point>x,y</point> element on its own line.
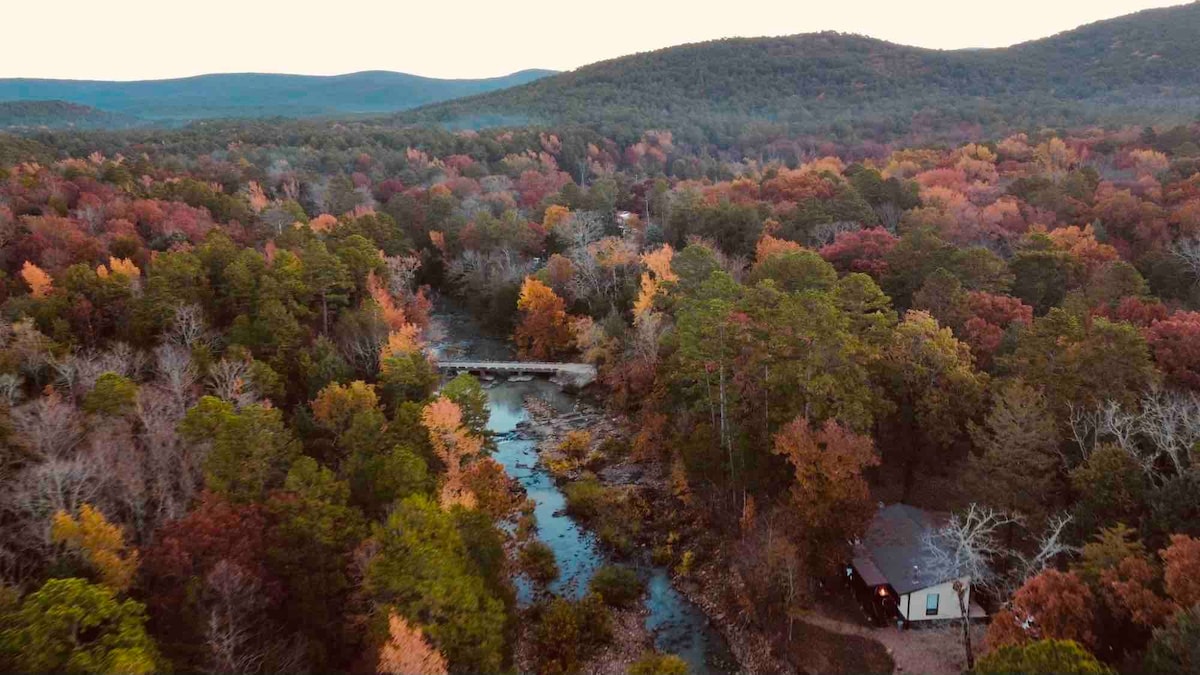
<point>1137,67</point>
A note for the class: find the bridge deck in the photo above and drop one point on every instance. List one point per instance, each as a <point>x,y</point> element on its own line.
<point>518,366</point>
<point>577,374</point>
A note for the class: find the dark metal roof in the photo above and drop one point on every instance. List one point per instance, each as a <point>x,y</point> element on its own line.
<point>868,572</point>
<point>892,546</point>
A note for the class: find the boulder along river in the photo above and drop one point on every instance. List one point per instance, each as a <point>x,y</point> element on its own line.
<point>676,625</point>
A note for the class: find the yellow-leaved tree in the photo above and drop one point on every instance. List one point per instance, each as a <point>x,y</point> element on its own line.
<point>658,270</point>
<point>121,266</point>
<point>100,543</point>
<point>336,406</point>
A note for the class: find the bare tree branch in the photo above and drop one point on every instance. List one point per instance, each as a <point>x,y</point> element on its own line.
<point>78,371</point>
<point>229,379</point>
<point>966,546</point>
<point>1050,547</point>
<point>189,329</point>
<point>49,427</point>
<point>10,388</point>
<point>1188,252</point>
<point>1164,431</point>
<point>234,596</point>
<point>822,234</point>
<point>176,374</point>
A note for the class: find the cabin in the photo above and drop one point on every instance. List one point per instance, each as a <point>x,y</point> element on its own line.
<point>886,572</point>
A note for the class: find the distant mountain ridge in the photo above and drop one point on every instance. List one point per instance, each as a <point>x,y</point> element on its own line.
<point>257,94</point>
<point>60,114</point>
<point>1141,65</point>
<point>1143,68</point>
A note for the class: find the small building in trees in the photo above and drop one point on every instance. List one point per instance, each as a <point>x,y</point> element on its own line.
<point>622,219</point>
<point>887,576</point>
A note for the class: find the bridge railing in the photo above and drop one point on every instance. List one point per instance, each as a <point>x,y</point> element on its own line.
<point>577,374</point>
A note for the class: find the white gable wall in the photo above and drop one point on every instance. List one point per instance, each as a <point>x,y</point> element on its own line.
<point>912,605</point>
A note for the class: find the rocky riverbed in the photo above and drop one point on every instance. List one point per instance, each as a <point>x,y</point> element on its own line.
<point>529,419</point>
<point>670,620</point>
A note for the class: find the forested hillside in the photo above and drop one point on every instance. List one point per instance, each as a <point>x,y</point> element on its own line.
<point>17,115</point>
<point>224,444</point>
<point>1139,66</point>
<point>255,94</point>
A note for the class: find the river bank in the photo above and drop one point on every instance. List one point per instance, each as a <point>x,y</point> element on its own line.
<point>669,531</point>
<point>530,419</point>
<point>706,586</point>
<point>696,610</point>
<point>527,420</point>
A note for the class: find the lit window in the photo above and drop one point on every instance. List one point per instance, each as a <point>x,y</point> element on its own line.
<point>931,604</point>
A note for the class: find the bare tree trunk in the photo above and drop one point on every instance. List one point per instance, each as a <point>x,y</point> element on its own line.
<point>960,590</point>
<point>725,430</point>
<point>324,314</point>
<point>721,394</point>
<point>791,596</point>
<point>766,401</point>
<point>910,459</point>
<point>712,411</point>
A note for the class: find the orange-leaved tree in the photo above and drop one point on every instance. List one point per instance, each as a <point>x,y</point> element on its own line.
<point>555,216</point>
<point>454,445</point>
<point>40,283</point>
<point>406,340</point>
<point>393,314</point>
<point>829,495</point>
<point>407,652</point>
<point>1052,605</point>
<point>1181,562</point>
<point>336,406</point>
<point>768,246</point>
<point>545,328</point>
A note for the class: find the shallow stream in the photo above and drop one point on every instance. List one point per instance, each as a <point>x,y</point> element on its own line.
<point>679,627</point>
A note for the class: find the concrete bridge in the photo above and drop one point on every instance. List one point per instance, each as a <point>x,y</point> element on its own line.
<point>567,374</point>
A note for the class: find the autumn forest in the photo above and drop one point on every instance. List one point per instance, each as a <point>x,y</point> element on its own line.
<point>226,444</point>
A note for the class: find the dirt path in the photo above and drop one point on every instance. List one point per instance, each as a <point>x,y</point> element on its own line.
<point>934,650</point>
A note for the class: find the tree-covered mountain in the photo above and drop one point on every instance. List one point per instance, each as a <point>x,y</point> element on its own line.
<point>20,115</point>
<point>258,94</point>
<point>1143,64</point>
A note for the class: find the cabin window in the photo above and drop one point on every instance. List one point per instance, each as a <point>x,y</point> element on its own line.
<point>931,604</point>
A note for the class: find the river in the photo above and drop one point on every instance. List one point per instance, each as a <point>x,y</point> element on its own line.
<point>679,627</point>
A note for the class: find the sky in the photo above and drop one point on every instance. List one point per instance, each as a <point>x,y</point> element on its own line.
<point>151,39</point>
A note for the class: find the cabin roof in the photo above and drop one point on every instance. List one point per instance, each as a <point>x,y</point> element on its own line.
<point>891,549</point>
<point>868,571</point>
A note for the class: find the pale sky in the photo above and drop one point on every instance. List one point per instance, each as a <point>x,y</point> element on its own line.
<point>147,39</point>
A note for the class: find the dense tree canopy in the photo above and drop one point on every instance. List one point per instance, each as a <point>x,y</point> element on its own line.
<point>219,396</point>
